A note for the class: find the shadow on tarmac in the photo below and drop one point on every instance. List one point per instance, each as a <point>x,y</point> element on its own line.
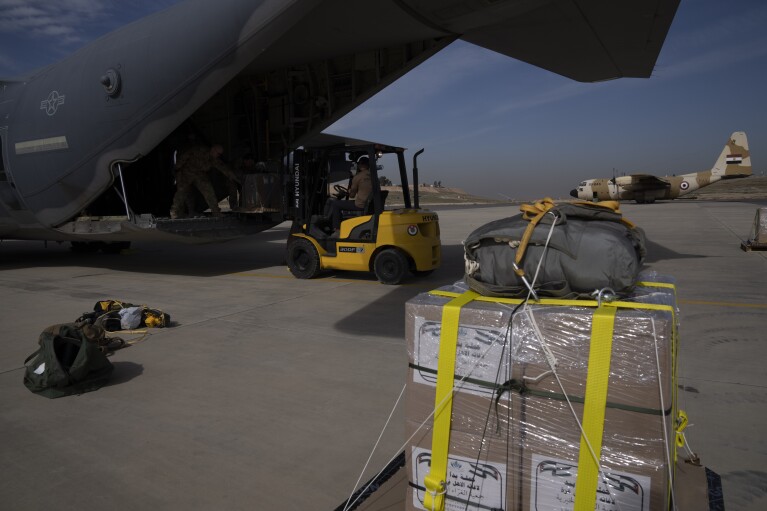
<point>385,317</point>
<point>656,252</point>
<point>124,372</point>
<point>205,260</point>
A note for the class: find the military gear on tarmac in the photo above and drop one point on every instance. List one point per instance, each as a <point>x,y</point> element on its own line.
<point>69,361</point>
<point>115,315</point>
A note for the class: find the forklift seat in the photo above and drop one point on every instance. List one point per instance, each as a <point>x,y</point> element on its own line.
<point>368,209</point>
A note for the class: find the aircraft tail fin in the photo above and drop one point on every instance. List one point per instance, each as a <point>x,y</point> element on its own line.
<point>735,159</point>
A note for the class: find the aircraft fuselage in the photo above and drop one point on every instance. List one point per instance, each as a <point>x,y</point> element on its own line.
<point>88,143</point>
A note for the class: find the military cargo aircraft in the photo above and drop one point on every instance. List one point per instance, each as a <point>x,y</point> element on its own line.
<point>88,143</point>
<point>733,162</point>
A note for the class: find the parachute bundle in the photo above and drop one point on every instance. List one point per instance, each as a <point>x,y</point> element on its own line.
<point>556,250</point>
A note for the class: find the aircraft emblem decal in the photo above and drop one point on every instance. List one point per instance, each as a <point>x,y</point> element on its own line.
<point>734,159</point>
<point>684,185</point>
<point>51,104</point>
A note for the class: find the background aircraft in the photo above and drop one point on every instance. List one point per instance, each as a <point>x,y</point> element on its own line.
<point>88,143</point>
<point>734,161</point>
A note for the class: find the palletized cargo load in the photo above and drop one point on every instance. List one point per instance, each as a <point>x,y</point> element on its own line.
<point>529,380</point>
<point>758,236</point>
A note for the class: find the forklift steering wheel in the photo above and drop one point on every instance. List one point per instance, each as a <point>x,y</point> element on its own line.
<point>341,191</point>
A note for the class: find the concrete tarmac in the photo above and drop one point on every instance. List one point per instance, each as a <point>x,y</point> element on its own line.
<point>269,392</point>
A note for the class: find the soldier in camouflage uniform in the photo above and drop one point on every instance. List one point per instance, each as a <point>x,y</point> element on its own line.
<point>192,171</point>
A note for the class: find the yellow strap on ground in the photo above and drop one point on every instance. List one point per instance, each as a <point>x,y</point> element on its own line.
<point>436,480</point>
<point>594,408</point>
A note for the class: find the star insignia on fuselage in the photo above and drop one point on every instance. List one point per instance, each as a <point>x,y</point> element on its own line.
<point>51,104</point>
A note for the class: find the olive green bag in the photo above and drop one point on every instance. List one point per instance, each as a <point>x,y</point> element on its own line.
<point>69,361</point>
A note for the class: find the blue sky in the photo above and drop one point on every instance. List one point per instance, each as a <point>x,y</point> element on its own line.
<point>496,126</point>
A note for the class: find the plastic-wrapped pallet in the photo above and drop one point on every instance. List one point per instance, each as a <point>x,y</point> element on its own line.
<point>760,226</point>
<point>514,439</point>
<point>758,237</point>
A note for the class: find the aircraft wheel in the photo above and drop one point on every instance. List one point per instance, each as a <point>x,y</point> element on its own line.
<point>390,266</point>
<point>303,259</point>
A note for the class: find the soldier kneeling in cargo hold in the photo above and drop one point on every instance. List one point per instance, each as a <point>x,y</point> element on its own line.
<point>192,171</point>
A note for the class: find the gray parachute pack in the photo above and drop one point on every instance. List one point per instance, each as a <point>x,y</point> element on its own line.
<point>585,247</point>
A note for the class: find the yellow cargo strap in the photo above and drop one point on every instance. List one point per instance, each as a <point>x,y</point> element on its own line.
<point>532,212</point>
<point>600,369</point>
<point>612,205</point>
<point>681,424</point>
<point>665,285</point>
<point>436,480</point>
<point>536,210</point>
<point>566,302</point>
<point>597,378</point>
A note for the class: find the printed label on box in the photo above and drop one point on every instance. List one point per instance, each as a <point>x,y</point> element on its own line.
<point>479,352</point>
<point>553,487</point>
<point>471,484</point>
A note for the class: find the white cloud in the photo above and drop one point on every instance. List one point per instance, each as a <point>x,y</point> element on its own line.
<point>726,29</point>
<point>712,59</point>
<point>426,81</point>
<point>545,97</point>
<point>49,19</point>
<point>735,36</point>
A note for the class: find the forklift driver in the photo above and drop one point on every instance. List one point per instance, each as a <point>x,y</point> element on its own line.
<point>359,190</point>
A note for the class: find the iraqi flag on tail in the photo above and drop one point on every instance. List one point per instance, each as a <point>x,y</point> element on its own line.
<point>734,159</point>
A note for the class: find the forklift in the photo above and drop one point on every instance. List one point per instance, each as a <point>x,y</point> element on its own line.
<point>388,242</point>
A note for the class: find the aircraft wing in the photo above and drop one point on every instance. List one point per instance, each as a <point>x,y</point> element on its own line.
<point>642,183</point>
<point>586,40</point>
<point>90,132</point>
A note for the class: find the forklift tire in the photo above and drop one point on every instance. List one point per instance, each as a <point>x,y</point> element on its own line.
<point>303,259</point>
<point>390,266</point>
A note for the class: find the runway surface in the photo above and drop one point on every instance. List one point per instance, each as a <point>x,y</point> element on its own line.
<point>269,392</point>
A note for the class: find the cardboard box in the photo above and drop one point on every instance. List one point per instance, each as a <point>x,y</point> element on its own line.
<point>488,415</point>
<point>481,472</point>
<point>633,457</point>
<point>640,364</point>
<point>539,437</point>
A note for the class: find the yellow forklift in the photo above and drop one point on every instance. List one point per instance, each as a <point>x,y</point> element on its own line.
<point>388,242</point>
